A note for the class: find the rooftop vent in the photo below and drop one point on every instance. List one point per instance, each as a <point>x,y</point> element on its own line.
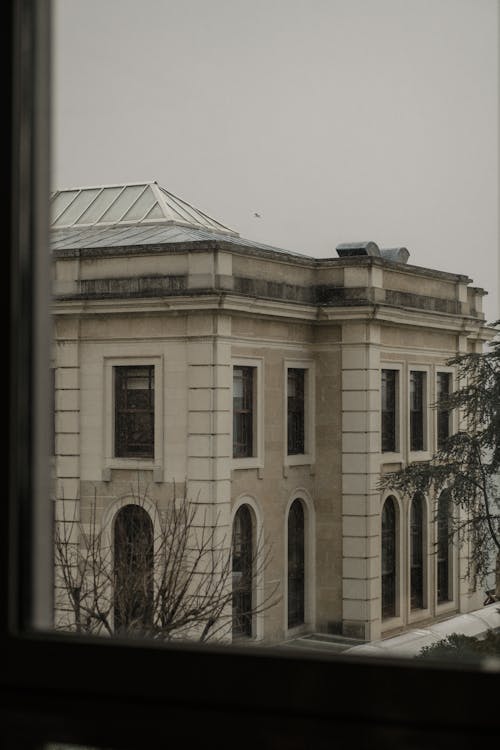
<point>396,254</point>
<point>352,249</point>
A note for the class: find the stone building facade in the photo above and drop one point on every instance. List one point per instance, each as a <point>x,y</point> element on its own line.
<point>280,387</point>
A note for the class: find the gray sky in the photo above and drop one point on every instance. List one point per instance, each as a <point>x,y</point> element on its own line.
<point>335,120</point>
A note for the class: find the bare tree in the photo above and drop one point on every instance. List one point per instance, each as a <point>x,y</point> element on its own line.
<point>167,578</point>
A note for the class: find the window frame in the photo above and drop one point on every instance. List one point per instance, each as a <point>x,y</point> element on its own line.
<point>388,457</point>
<point>451,415</point>
<point>395,533</point>
<point>256,461</point>
<point>120,696</point>
<point>424,453</point>
<point>122,448</point>
<point>110,460</point>
<point>397,435</point>
<point>307,458</point>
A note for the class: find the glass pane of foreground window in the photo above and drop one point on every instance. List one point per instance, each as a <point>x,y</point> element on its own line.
<point>203,488</point>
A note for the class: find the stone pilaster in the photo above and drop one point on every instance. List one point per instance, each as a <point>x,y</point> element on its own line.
<point>209,417</point>
<point>360,473</point>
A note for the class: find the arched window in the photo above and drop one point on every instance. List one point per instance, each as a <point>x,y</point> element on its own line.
<point>242,572</point>
<point>296,564</point>
<point>417,552</point>
<point>444,593</point>
<point>389,558</point>
<point>133,569</point>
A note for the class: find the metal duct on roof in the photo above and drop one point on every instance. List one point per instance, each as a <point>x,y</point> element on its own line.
<point>353,249</point>
<point>396,254</point>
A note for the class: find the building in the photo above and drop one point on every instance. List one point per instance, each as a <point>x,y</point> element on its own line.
<point>275,388</point>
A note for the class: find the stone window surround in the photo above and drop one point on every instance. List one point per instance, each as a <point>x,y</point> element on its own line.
<point>256,461</point>
<point>309,457</point>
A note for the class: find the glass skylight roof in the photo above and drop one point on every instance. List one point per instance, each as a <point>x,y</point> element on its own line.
<point>127,205</point>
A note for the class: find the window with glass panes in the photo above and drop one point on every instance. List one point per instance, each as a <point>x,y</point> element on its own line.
<point>443,414</point>
<point>134,411</point>
<point>388,411</point>
<point>296,564</point>
<point>389,551</point>
<point>296,411</point>
<point>417,381</point>
<point>443,548</point>
<point>417,552</point>
<point>242,572</point>
<point>243,411</point>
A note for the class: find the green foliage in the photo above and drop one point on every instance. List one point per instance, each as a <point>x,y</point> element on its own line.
<point>463,647</point>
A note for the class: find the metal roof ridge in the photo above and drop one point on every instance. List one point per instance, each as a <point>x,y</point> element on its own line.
<point>99,187</point>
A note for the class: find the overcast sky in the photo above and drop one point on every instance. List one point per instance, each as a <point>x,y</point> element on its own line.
<point>335,120</point>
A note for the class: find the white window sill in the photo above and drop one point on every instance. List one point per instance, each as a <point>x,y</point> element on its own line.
<point>416,615</point>
<point>299,459</point>
<point>419,456</point>
<point>444,608</point>
<point>252,462</point>
<point>389,624</point>
<point>391,458</point>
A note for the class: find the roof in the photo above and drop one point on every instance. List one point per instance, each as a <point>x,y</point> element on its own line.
<point>134,204</point>
<point>102,236</point>
<point>139,213</point>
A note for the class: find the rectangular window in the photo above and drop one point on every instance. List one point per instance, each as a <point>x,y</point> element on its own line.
<point>388,409</point>
<point>134,411</point>
<point>443,414</point>
<point>417,410</point>
<point>296,411</point>
<point>243,411</point>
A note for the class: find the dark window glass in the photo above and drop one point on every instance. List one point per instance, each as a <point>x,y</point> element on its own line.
<point>296,564</point>
<point>416,411</point>
<point>133,569</point>
<point>443,415</point>
<point>388,411</point>
<point>242,572</point>
<point>443,549</point>
<point>417,552</point>
<point>389,558</point>
<point>243,412</point>
<point>134,411</point>
<point>295,413</point>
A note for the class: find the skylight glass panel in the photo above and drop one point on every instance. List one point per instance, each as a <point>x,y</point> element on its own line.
<point>61,202</point>
<point>122,204</point>
<point>141,207</point>
<point>155,213</point>
<point>99,206</point>
<point>77,207</point>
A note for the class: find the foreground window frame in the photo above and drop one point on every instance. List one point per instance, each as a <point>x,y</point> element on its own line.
<point>132,694</point>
